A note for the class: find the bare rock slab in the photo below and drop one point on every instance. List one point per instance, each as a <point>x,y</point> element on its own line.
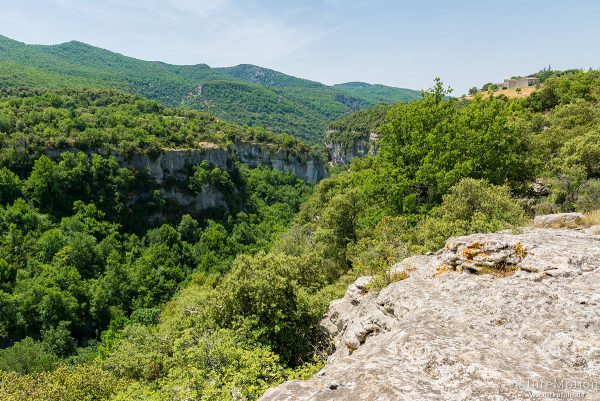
<point>452,331</point>
<point>559,220</point>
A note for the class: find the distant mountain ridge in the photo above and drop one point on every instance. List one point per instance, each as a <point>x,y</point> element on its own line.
<point>245,94</point>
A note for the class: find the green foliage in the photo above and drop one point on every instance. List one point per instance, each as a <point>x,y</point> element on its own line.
<point>566,88</point>
<point>378,93</point>
<point>360,124</point>
<point>471,206</point>
<point>215,309</point>
<point>244,94</point>
<point>58,340</point>
<point>429,145</point>
<point>102,121</point>
<point>10,186</point>
<point>204,175</point>
<point>270,295</point>
<point>565,141</point>
<point>65,279</point>
<point>27,356</point>
<point>588,196</point>
<point>489,87</point>
<point>85,382</point>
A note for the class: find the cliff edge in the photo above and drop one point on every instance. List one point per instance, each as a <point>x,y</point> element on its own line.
<point>506,316</point>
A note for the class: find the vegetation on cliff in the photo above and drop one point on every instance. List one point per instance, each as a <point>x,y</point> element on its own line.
<point>33,122</point>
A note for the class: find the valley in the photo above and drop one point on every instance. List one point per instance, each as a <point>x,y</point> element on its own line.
<point>179,233</point>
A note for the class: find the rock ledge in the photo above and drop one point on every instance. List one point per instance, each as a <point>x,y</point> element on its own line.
<point>451,331</point>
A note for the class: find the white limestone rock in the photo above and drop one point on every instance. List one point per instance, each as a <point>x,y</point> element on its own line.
<point>558,220</point>
<point>442,334</point>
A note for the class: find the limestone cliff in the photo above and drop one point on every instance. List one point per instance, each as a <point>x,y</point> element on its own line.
<point>341,152</point>
<point>508,316</point>
<point>355,135</point>
<point>169,162</point>
<point>306,166</point>
<point>175,165</point>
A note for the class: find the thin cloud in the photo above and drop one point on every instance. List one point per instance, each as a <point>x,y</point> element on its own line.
<point>220,32</point>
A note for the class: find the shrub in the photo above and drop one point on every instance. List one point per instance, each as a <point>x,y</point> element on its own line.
<point>471,206</point>
<point>27,356</point>
<point>588,197</point>
<point>85,382</point>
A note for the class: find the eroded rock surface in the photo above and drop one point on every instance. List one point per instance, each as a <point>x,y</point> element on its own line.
<point>558,220</point>
<point>452,332</point>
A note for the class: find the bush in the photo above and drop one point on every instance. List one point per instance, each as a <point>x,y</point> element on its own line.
<point>588,197</point>
<point>374,255</point>
<point>85,382</point>
<point>471,206</point>
<point>27,356</point>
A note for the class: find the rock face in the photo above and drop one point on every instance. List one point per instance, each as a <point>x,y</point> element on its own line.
<point>452,332</point>
<point>305,166</point>
<point>558,220</point>
<point>177,164</point>
<point>170,162</point>
<point>342,153</point>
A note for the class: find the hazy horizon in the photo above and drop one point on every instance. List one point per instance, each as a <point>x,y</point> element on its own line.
<point>466,43</point>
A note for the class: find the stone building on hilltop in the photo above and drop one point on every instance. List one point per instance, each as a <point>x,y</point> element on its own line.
<point>519,82</point>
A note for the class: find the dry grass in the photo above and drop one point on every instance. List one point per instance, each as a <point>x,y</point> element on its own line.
<point>501,271</point>
<point>592,218</point>
<point>520,250</point>
<point>510,93</point>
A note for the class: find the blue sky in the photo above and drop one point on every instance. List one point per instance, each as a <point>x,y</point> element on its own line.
<point>399,43</point>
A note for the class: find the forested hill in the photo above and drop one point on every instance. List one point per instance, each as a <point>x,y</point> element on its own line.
<point>244,94</point>
<point>378,93</point>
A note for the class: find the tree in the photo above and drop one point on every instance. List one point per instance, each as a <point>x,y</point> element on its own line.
<point>58,340</point>
<point>429,145</point>
<point>471,206</point>
<point>10,186</point>
<point>44,186</point>
<point>27,356</point>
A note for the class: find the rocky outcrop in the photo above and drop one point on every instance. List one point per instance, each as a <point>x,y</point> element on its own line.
<point>508,316</point>
<point>569,220</point>
<point>342,152</point>
<point>304,165</point>
<point>172,162</point>
<point>175,166</point>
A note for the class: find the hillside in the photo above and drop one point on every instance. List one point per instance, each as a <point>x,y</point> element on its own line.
<point>89,179</point>
<point>163,254</point>
<point>378,93</point>
<point>511,93</point>
<point>244,94</point>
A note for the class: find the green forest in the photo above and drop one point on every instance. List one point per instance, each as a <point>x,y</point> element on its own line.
<point>98,303</point>
<point>245,94</point>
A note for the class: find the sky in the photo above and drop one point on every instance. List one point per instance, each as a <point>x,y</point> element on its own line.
<point>401,43</point>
